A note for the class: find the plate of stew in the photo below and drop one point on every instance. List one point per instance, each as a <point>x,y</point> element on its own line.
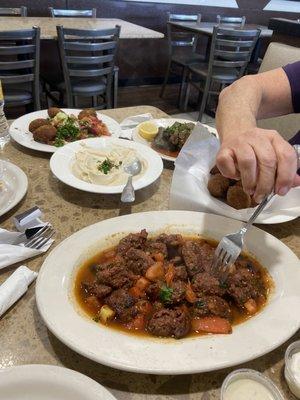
<point>171,137</point>
<point>137,293</point>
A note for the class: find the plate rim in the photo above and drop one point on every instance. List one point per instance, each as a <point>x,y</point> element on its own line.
<point>155,370</point>
<point>51,149</point>
<point>110,189</point>
<point>43,369</point>
<point>23,190</point>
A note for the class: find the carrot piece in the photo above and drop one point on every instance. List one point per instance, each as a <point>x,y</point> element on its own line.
<point>170,274</point>
<point>190,294</point>
<point>211,325</point>
<point>158,256</point>
<point>138,323</point>
<point>155,272</point>
<point>136,292</point>
<point>142,283</point>
<point>251,306</point>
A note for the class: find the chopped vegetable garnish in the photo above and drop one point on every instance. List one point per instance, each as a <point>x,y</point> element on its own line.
<point>165,294</point>
<point>107,165</point>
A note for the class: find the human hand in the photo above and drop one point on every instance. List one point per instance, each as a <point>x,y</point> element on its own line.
<point>262,159</point>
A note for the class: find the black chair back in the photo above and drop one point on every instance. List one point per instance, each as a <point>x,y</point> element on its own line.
<point>87,54</point>
<point>20,59</point>
<point>181,38</point>
<point>232,48</point>
<point>63,13</point>
<point>238,21</point>
<point>13,12</point>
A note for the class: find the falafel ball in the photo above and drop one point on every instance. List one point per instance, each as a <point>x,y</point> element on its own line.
<point>36,123</point>
<point>237,198</point>
<point>52,111</point>
<point>45,134</point>
<point>87,112</point>
<point>215,170</point>
<point>218,185</point>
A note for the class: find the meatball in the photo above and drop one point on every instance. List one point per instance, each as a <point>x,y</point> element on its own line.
<point>215,170</point>
<point>36,123</point>
<point>45,134</point>
<point>138,261</point>
<point>211,305</point>
<point>206,284</point>
<point>197,256</point>
<point>96,289</point>
<point>178,292</point>
<point>237,198</point>
<point>180,273</point>
<point>169,323</point>
<point>218,185</point>
<point>87,112</point>
<point>52,111</point>
<point>115,275</point>
<point>153,291</point>
<point>133,240</point>
<point>123,304</point>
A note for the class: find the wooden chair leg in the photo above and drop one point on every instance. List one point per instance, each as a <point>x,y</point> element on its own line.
<point>204,99</point>
<point>116,85</point>
<point>162,90</point>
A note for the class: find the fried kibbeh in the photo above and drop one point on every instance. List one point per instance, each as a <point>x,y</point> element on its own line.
<point>237,198</point>
<point>36,123</point>
<point>52,111</point>
<point>45,134</point>
<point>218,186</point>
<point>87,112</point>
<point>215,170</point>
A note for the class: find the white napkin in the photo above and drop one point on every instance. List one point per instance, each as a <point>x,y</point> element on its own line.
<point>15,286</point>
<point>192,171</point>
<point>128,124</point>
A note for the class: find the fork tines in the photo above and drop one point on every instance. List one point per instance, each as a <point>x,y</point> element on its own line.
<point>42,237</point>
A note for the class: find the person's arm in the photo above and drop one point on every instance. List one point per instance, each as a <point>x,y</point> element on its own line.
<point>261,158</point>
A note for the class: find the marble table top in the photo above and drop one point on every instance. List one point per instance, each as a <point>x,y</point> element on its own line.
<point>206,28</point>
<point>48,26</point>
<point>24,337</point>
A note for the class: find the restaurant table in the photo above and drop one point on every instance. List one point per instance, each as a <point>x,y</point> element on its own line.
<point>24,338</point>
<point>48,26</point>
<point>206,28</point>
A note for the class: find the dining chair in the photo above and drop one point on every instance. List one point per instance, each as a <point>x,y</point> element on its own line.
<point>64,13</point>
<point>182,47</point>
<point>20,66</point>
<point>88,59</point>
<point>230,54</point>
<point>13,12</point>
<point>238,21</point>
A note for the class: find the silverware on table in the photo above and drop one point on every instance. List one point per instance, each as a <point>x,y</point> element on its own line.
<point>134,168</point>
<point>39,239</point>
<point>231,245</point>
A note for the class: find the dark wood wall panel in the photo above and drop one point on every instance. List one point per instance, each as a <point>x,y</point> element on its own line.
<point>146,59</point>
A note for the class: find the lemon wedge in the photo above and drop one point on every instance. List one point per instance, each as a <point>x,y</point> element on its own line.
<point>148,130</point>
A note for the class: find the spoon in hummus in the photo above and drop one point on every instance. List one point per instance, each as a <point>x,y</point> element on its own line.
<point>133,169</point>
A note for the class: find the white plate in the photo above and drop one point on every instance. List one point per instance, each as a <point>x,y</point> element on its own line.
<point>20,133</point>
<point>164,122</point>
<point>277,322</point>
<point>61,161</point>
<point>48,382</point>
<point>14,187</point>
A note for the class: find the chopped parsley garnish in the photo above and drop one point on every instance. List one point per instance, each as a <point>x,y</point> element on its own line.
<point>69,131</point>
<point>200,303</point>
<point>96,318</point>
<point>107,165</point>
<point>165,294</point>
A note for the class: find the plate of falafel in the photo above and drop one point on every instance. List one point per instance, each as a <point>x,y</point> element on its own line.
<point>47,130</point>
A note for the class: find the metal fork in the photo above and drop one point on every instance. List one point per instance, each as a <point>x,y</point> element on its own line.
<point>231,245</point>
<point>41,238</point>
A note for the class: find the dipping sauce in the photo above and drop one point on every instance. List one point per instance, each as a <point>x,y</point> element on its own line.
<point>247,389</point>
